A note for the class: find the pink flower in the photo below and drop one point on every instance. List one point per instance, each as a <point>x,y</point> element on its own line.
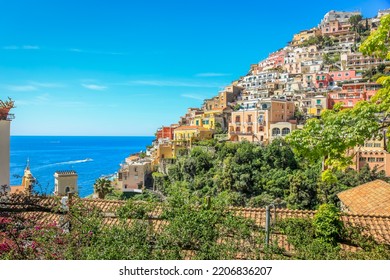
<point>4,247</point>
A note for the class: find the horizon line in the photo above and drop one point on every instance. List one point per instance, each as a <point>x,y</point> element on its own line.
<point>21,135</point>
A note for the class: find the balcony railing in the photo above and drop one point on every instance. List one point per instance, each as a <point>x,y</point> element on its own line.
<point>240,133</point>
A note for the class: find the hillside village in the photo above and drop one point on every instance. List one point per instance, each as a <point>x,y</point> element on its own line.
<point>248,164</point>
<point>317,69</point>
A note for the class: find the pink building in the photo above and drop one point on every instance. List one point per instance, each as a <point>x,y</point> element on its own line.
<point>254,124</point>
<point>274,60</point>
<point>335,27</point>
<point>323,80</point>
<point>353,93</point>
<point>343,75</point>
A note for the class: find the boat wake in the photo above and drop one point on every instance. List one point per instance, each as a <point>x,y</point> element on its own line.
<point>65,163</point>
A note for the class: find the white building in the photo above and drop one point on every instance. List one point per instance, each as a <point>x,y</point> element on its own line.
<point>65,182</point>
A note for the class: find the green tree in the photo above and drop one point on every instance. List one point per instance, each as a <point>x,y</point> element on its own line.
<point>103,187</point>
<point>355,23</point>
<point>328,138</point>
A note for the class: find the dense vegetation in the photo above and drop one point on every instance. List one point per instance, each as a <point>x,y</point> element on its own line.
<point>257,176</point>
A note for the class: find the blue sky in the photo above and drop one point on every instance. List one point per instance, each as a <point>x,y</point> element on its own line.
<point>127,67</point>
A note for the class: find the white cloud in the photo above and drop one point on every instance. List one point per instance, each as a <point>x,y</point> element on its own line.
<point>193,96</point>
<point>95,52</point>
<point>212,74</point>
<point>24,47</point>
<point>172,83</point>
<point>33,86</point>
<point>10,47</point>
<point>30,47</point>
<point>22,88</point>
<point>46,85</point>
<point>94,87</point>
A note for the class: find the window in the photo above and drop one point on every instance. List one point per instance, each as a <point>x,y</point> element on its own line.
<point>249,118</point>
<point>318,101</point>
<point>249,129</point>
<point>67,190</point>
<point>380,160</point>
<point>371,159</point>
<point>346,74</point>
<point>197,122</point>
<point>238,119</point>
<point>285,131</point>
<point>368,144</point>
<point>237,129</point>
<point>377,145</point>
<point>275,131</point>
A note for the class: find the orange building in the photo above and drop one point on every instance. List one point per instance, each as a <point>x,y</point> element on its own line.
<point>373,153</point>
<point>166,132</point>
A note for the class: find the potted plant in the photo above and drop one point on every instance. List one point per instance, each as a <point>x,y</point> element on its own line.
<point>5,107</point>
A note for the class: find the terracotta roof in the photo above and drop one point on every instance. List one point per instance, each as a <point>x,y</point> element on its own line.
<point>46,210</point>
<point>372,198</point>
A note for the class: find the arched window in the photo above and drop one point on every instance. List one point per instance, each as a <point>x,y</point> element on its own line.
<point>275,131</point>
<point>285,131</point>
<point>67,190</point>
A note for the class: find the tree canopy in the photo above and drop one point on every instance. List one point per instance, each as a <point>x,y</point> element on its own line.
<point>338,130</point>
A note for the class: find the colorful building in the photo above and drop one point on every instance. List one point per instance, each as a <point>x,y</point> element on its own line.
<point>28,182</point>
<point>374,154</point>
<point>342,76</point>
<point>323,80</point>
<point>190,133</point>
<point>253,123</point>
<point>352,93</point>
<point>318,104</point>
<point>134,174</point>
<point>166,132</point>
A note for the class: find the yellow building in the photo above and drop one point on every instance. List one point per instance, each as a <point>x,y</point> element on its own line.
<point>189,133</point>
<point>304,35</point>
<point>209,119</point>
<point>318,105</point>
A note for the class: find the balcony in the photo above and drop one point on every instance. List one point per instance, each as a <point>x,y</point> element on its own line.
<point>240,133</point>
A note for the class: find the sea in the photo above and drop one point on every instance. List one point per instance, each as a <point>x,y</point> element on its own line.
<point>90,156</point>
